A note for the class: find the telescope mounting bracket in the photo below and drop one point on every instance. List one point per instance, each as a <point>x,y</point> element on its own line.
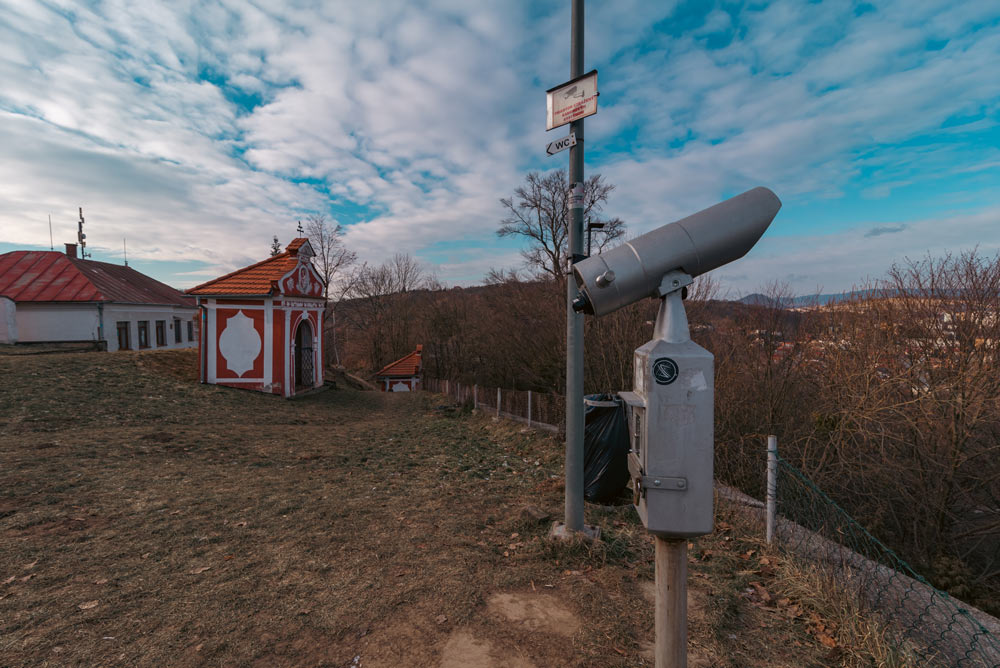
<point>673,281</point>
<point>671,320</point>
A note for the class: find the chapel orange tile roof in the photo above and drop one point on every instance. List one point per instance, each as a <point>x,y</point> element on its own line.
<point>257,279</point>
<point>405,366</point>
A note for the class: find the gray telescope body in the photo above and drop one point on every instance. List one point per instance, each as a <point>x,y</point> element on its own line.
<point>695,245</point>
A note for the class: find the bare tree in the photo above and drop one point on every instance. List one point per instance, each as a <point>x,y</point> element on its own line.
<point>539,212</point>
<point>332,256</point>
<point>380,308</point>
<point>501,276</point>
<point>332,260</point>
<point>407,272</point>
<point>275,246</point>
<point>890,402</point>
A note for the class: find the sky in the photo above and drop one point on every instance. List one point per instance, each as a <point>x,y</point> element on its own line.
<point>198,130</point>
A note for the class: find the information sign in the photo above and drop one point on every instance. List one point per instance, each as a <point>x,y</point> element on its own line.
<point>571,101</point>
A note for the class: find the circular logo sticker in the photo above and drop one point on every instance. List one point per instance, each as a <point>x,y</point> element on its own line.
<point>665,371</point>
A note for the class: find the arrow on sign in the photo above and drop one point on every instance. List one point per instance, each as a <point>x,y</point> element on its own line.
<point>561,144</point>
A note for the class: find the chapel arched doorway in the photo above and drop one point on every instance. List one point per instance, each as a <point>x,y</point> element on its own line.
<point>304,371</point>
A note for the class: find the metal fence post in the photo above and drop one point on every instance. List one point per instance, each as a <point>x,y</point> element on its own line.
<point>529,408</point>
<point>475,396</point>
<point>498,402</point>
<point>772,486</point>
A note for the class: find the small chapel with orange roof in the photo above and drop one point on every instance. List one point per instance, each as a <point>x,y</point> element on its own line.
<point>404,374</point>
<point>261,326</point>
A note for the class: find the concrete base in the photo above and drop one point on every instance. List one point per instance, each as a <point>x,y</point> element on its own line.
<point>589,533</point>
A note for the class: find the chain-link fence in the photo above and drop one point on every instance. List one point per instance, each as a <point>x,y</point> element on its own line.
<point>920,619</point>
<point>540,410</point>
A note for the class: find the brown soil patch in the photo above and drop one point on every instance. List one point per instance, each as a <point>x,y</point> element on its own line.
<point>397,643</point>
<point>464,650</point>
<point>536,612</point>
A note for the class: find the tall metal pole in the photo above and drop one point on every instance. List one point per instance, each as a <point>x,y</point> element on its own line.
<point>574,320</point>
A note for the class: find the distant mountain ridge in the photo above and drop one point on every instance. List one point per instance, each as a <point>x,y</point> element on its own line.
<point>757,299</point>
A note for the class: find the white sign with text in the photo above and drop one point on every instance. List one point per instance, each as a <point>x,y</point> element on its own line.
<point>571,101</point>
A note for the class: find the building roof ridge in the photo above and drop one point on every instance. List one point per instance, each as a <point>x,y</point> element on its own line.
<point>280,256</point>
<point>417,360</point>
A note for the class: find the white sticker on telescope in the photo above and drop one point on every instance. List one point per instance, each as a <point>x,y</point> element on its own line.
<point>698,383</point>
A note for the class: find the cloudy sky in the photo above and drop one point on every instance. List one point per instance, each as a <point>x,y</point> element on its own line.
<point>198,130</point>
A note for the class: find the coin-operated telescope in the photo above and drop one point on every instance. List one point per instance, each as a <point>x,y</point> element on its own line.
<point>671,405</point>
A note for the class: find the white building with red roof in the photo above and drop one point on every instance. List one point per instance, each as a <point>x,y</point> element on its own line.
<point>49,297</point>
<point>404,374</point>
<point>261,325</point>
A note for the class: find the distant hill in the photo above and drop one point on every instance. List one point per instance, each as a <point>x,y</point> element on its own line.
<point>757,299</point>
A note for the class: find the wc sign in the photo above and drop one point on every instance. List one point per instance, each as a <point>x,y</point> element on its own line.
<point>561,144</point>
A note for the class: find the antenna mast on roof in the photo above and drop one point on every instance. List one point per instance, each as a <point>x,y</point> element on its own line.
<point>300,229</point>
<point>125,249</point>
<point>51,245</point>
<point>82,238</point>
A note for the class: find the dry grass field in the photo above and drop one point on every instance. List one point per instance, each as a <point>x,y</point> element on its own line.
<point>147,520</point>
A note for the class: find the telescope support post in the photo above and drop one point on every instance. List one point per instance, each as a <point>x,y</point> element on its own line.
<point>671,603</point>
<point>671,553</point>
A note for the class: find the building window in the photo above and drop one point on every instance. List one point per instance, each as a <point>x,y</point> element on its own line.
<point>143,334</point>
<point>161,333</point>
<point>123,335</point>
<point>190,331</point>
<point>177,331</point>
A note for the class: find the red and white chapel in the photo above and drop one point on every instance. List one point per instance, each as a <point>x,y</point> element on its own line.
<point>261,326</point>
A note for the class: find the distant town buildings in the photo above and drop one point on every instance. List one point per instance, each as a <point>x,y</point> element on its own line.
<point>49,297</point>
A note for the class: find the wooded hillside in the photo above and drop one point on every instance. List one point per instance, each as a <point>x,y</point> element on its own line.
<point>890,401</point>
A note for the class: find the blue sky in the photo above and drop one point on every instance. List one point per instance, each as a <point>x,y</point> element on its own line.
<point>198,130</point>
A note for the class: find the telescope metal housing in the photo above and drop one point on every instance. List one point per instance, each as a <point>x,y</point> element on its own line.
<point>697,244</point>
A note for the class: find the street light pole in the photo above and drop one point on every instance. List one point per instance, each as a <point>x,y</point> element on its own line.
<point>590,233</point>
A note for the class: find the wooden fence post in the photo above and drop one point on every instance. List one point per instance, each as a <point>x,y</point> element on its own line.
<point>529,408</point>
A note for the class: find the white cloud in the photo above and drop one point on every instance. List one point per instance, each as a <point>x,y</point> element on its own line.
<point>838,262</point>
<point>423,117</point>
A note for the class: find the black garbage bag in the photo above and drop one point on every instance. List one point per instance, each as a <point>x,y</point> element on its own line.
<point>605,448</point>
